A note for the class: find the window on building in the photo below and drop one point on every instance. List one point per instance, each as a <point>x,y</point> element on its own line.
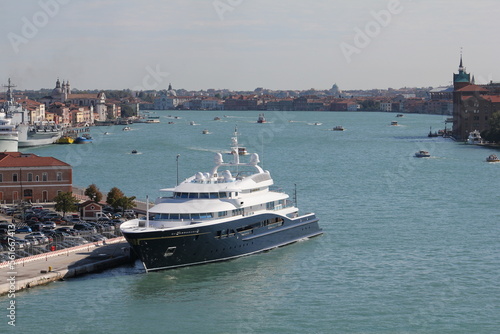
<point>1,177</point>
<point>37,178</point>
<point>59,176</point>
<point>44,177</point>
<point>28,194</point>
<point>14,177</point>
<point>30,177</point>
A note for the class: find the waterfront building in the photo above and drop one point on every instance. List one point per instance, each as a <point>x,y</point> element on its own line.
<point>89,209</point>
<point>473,105</point>
<point>28,177</point>
<point>62,94</point>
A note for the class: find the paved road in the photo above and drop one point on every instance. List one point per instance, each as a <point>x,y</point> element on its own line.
<point>62,264</point>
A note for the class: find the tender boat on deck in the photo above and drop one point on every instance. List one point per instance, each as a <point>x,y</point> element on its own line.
<point>216,216</point>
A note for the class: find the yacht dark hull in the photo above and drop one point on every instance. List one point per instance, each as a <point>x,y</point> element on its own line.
<point>179,247</point>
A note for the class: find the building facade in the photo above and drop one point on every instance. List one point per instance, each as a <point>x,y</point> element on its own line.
<point>28,177</point>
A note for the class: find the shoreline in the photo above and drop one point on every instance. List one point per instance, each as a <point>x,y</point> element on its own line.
<point>25,273</point>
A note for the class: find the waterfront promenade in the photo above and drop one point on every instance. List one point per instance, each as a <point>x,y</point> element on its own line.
<point>44,268</point>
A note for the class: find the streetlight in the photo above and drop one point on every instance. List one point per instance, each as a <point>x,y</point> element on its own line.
<point>177,161</point>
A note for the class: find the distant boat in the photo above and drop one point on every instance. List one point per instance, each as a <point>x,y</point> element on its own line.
<point>106,133</point>
<point>134,151</point>
<point>338,128</point>
<point>216,118</point>
<point>432,134</point>
<point>492,158</point>
<point>394,123</point>
<point>9,136</point>
<point>399,115</point>
<point>65,140</point>
<point>261,119</point>
<point>205,132</point>
<point>83,139</point>
<point>422,154</point>
<point>474,138</point>
<point>127,128</point>
<point>240,150</point>
<point>317,123</point>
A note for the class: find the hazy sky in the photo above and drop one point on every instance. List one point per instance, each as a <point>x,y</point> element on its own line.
<point>245,44</point>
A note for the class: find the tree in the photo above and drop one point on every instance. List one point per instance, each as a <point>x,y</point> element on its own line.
<point>125,203</point>
<point>117,199</point>
<point>66,202</point>
<point>93,193</point>
<point>113,196</point>
<point>493,134</point>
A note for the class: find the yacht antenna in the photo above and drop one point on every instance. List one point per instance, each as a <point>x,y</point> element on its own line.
<point>177,163</point>
<point>295,194</point>
<point>147,211</point>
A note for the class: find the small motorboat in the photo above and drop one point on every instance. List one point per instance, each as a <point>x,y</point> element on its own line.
<point>261,119</point>
<point>134,152</point>
<point>338,128</point>
<point>216,118</point>
<point>127,128</point>
<point>422,154</point>
<point>241,151</point>
<point>399,115</point>
<point>83,139</point>
<point>65,140</point>
<point>394,123</point>
<point>205,132</point>
<point>492,158</point>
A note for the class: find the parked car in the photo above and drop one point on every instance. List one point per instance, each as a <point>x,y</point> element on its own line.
<point>24,229</point>
<point>39,236</point>
<point>31,238</point>
<point>68,230</point>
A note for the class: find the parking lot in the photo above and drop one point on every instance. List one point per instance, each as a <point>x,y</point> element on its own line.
<point>44,230</point>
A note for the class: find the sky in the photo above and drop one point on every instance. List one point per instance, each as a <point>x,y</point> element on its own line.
<point>245,44</point>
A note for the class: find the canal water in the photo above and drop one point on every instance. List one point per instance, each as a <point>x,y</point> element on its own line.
<point>410,245</point>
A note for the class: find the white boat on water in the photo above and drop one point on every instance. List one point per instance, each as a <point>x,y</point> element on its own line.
<point>422,154</point>
<point>9,136</point>
<point>474,138</point>
<point>37,135</point>
<point>493,158</point>
<point>218,215</point>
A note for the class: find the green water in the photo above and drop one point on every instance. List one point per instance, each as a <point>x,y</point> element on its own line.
<point>410,245</point>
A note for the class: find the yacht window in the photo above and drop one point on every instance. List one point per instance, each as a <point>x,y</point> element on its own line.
<point>204,195</point>
<point>174,216</point>
<point>184,215</point>
<point>214,195</point>
<point>193,195</point>
<point>222,214</point>
<point>195,216</point>
<point>222,195</point>
<point>184,195</point>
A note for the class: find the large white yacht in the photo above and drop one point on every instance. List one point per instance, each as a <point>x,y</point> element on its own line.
<point>218,216</point>
<point>9,136</point>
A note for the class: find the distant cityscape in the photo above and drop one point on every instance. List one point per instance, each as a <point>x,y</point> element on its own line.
<point>69,107</point>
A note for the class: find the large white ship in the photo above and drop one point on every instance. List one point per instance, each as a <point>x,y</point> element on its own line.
<point>218,216</point>
<point>8,135</point>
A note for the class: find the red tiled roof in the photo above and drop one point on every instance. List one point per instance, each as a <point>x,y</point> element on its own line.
<point>472,88</point>
<point>492,98</point>
<point>18,159</point>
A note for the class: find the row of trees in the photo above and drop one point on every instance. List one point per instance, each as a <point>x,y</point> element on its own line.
<point>67,202</point>
<point>493,134</point>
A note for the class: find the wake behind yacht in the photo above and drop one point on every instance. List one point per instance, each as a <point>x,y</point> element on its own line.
<point>219,215</point>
